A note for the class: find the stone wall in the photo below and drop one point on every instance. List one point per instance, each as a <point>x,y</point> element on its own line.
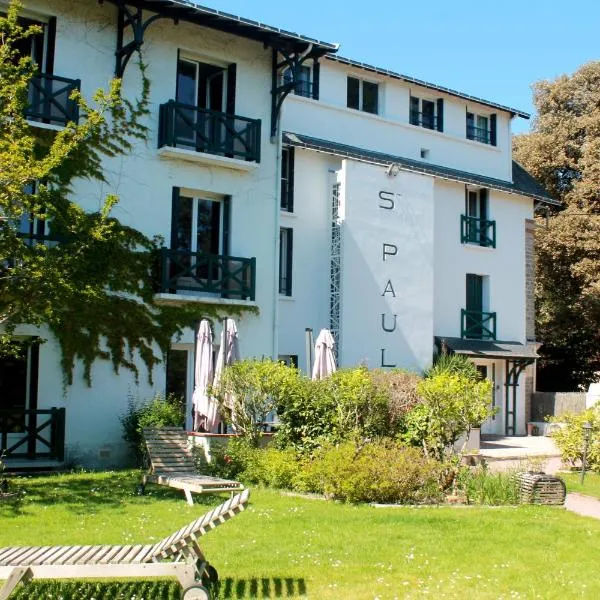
<point>547,404</point>
<point>529,280</point>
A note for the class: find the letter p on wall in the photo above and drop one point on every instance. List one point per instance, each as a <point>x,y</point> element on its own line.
<point>389,250</point>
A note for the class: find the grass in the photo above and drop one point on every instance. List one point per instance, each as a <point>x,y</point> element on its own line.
<point>591,485</point>
<point>292,547</point>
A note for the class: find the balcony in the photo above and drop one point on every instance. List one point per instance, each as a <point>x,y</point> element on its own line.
<point>33,434</point>
<point>199,135</point>
<point>201,276</point>
<point>50,100</point>
<point>477,325</point>
<point>474,230</point>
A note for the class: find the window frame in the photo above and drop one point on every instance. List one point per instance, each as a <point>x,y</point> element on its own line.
<point>420,112</point>
<point>286,250</point>
<point>303,88</point>
<point>361,106</point>
<point>477,133</point>
<point>286,200</point>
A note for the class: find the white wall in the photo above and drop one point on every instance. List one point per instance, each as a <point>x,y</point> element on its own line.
<point>504,265</point>
<point>387,268</point>
<point>85,46</point>
<point>390,131</point>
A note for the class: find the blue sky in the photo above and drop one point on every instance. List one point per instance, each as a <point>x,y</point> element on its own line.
<point>494,49</point>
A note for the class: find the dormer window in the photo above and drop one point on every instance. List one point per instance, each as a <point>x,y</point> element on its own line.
<point>427,113</point>
<point>481,128</point>
<point>363,95</point>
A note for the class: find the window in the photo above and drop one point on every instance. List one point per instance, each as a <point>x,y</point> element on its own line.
<point>287,179</point>
<point>304,85</point>
<point>481,128</point>
<point>209,92</point>
<point>427,113</point>
<point>476,322</point>
<point>477,228</point>
<point>19,384</point>
<point>363,95</point>
<point>198,231</point>
<point>286,236</point>
<point>40,47</point>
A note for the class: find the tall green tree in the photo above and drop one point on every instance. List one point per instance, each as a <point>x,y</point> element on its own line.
<point>93,289</point>
<point>563,153</point>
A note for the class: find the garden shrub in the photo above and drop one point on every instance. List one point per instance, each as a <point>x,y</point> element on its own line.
<point>157,412</point>
<point>451,405</point>
<point>482,487</point>
<point>453,364</point>
<point>569,439</point>
<point>250,390</point>
<point>400,389</point>
<point>382,471</point>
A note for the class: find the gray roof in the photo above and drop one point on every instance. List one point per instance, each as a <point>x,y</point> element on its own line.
<point>188,10</point>
<point>488,348</point>
<point>523,184</point>
<point>425,84</point>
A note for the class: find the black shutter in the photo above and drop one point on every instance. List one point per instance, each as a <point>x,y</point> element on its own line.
<point>440,114</point>
<point>316,82</point>
<point>50,44</point>
<point>174,218</point>
<point>226,225</point>
<point>231,75</point>
<point>493,134</point>
<point>290,188</point>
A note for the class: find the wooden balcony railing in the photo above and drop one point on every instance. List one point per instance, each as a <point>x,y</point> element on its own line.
<point>474,230</point>
<point>477,325</point>
<point>50,100</point>
<point>201,130</point>
<point>225,276</point>
<point>34,433</point>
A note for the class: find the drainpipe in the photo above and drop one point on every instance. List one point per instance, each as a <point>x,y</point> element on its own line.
<point>279,143</point>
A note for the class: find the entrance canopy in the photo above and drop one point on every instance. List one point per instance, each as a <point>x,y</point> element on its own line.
<point>487,349</point>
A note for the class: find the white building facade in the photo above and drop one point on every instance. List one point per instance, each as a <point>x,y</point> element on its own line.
<point>322,192</point>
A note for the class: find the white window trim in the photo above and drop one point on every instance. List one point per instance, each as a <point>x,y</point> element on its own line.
<point>361,80</point>
<point>196,196</point>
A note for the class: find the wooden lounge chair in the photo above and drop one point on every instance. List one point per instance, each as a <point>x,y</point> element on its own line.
<point>178,555</point>
<point>172,464</point>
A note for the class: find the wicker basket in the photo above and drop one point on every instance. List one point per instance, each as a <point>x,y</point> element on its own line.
<point>539,488</point>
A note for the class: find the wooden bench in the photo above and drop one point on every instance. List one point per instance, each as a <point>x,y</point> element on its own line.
<point>172,464</point>
<point>178,555</point>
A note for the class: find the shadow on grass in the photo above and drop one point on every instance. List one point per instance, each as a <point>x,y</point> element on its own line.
<point>274,587</point>
<point>81,493</point>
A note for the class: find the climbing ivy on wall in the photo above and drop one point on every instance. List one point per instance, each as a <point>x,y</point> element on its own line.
<point>93,287</point>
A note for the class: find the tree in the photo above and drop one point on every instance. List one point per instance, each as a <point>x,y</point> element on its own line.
<point>93,287</point>
<point>563,153</point>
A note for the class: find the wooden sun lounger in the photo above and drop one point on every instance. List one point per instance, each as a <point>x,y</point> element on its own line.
<point>172,464</point>
<point>178,555</point>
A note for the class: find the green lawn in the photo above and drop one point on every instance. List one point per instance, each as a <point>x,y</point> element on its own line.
<point>290,547</point>
<point>591,485</point>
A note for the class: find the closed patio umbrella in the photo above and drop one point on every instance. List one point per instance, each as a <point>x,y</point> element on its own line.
<point>229,352</point>
<point>324,364</point>
<point>205,408</point>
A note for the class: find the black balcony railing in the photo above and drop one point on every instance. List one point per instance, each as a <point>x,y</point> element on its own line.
<point>226,276</point>
<point>474,230</point>
<point>193,128</point>
<point>478,134</point>
<point>426,120</point>
<point>34,433</point>
<point>50,100</point>
<point>477,325</point>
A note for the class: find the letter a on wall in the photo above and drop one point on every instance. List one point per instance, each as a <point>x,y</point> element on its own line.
<point>389,289</point>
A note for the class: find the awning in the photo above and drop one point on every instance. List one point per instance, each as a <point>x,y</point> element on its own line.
<point>488,348</point>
